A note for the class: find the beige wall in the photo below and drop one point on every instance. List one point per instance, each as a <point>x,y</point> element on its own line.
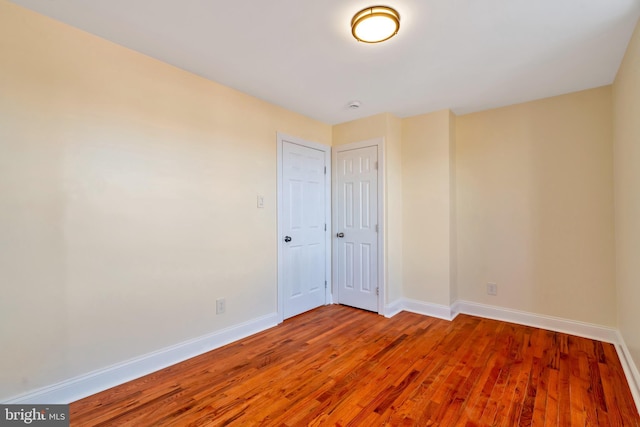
<point>453,211</point>
<point>535,206</point>
<point>375,126</point>
<point>94,138</point>
<point>394,208</point>
<point>427,162</point>
<point>626,130</point>
<point>388,127</point>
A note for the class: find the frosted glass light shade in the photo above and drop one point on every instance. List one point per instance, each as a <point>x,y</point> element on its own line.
<point>375,24</point>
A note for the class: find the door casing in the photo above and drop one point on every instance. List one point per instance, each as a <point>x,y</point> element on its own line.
<point>281,138</point>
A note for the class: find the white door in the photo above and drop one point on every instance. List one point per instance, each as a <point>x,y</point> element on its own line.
<point>356,228</point>
<point>303,228</point>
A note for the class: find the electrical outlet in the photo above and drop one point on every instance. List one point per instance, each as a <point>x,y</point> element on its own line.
<point>221,306</point>
<point>492,289</point>
<point>260,201</point>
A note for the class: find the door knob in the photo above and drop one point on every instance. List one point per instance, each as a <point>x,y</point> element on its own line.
<point>287,239</point>
<point>340,235</point>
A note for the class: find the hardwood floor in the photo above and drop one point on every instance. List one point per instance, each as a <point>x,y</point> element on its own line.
<point>342,366</point>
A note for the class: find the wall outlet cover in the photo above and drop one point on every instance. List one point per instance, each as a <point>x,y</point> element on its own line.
<point>492,289</point>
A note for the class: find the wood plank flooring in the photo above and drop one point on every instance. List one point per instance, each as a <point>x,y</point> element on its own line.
<point>341,366</point>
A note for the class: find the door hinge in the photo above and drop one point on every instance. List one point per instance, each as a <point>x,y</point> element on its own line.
<point>376,228</point>
<point>377,291</point>
<point>325,284</point>
<point>325,170</point>
<point>325,226</point>
<point>376,165</point>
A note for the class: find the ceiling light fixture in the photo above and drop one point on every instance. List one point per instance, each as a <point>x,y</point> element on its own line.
<point>375,24</point>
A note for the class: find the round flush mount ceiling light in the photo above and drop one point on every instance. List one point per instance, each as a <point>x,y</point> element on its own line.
<point>375,24</point>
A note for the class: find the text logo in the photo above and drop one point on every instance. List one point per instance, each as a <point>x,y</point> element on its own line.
<point>36,415</point>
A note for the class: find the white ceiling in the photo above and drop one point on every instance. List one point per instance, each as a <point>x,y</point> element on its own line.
<point>466,55</point>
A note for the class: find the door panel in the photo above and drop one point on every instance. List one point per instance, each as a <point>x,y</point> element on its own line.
<point>303,213</point>
<point>357,218</point>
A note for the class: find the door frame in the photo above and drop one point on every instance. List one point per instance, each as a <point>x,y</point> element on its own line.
<point>281,138</point>
<point>379,143</point>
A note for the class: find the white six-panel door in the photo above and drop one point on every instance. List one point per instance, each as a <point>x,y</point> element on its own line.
<point>303,228</point>
<point>356,225</point>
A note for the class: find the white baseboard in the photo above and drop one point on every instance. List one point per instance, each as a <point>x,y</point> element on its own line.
<point>102,379</point>
<point>630,369</point>
<point>427,308</point>
<point>557,324</point>
<point>393,308</point>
